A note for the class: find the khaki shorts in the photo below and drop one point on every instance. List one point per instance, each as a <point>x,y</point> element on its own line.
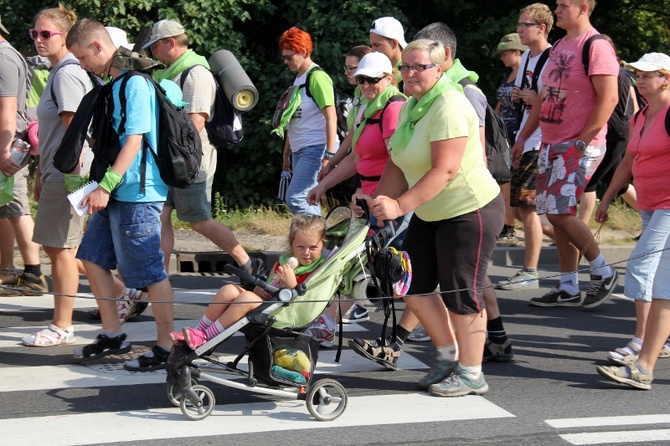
<point>57,224</point>
<point>20,205</point>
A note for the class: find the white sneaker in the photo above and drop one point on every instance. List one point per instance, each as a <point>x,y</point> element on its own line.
<point>322,331</point>
<point>125,305</point>
<point>419,335</point>
<point>523,280</point>
<point>50,337</point>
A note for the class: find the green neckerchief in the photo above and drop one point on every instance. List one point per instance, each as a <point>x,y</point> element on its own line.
<point>457,72</point>
<point>416,110</point>
<point>293,104</point>
<point>283,259</point>
<point>186,60</point>
<point>372,108</point>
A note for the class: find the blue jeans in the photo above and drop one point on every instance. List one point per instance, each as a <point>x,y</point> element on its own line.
<point>127,235</point>
<point>306,164</point>
<point>642,266</point>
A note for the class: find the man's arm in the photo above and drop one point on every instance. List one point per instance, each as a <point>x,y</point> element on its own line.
<point>8,106</point>
<point>606,89</point>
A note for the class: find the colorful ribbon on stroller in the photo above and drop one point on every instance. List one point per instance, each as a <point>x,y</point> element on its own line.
<point>401,286</point>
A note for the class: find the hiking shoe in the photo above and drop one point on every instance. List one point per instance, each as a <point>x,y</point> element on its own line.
<point>156,359</point>
<point>557,298</point>
<point>383,353</point>
<point>507,236</point>
<point>419,334</point>
<point>356,313</point>
<point>523,280</point>
<point>50,337</point>
<point>27,284</point>
<point>322,332</point>
<point>630,353</point>
<point>628,374</point>
<point>103,346</point>
<point>194,337</point>
<point>458,384</point>
<point>440,371</point>
<point>600,289</point>
<point>498,352</point>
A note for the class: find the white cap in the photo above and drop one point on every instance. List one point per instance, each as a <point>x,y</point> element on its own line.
<point>390,28</point>
<point>163,30</point>
<point>651,62</point>
<point>374,65</point>
<point>119,37</point>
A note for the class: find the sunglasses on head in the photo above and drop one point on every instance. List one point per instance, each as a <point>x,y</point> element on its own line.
<point>370,80</point>
<point>45,34</point>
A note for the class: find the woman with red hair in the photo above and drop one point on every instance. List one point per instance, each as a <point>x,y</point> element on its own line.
<point>309,122</point>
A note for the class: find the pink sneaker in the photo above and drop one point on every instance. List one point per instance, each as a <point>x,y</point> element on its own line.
<point>177,337</point>
<point>194,337</point>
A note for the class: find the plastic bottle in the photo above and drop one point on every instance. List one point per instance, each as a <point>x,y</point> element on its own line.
<point>19,152</point>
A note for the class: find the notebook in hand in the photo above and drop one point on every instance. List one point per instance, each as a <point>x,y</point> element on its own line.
<point>78,195</point>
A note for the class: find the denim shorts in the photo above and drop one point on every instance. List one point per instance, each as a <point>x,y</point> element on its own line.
<point>193,203</point>
<point>127,237</point>
<point>642,268</point>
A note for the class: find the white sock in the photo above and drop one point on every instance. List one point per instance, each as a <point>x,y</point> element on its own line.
<point>470,371</point>
<point>447,352</point>
<point>599,267</point>
<point>569,283</point>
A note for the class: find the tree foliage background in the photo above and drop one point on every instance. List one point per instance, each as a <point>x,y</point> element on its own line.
<point>248,173</point>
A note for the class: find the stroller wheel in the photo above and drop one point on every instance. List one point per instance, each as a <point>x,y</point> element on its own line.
<point>199,404</point>
<point>326,399</point>
<point>174,393</point>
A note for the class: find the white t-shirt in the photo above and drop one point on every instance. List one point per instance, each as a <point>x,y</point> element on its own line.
<point>533,142</point>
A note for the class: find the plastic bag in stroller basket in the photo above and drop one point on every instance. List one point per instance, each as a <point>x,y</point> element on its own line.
<point>285,357</point>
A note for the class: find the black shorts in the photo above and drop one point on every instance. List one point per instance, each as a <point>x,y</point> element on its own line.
<point>455,254</point>
<point>613,155</point>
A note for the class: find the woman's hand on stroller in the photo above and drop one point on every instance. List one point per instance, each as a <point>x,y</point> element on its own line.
<point>262,293</point>
<point>355,205</point>
<point>385,208</point>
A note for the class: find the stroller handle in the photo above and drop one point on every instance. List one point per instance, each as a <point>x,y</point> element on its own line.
<point>250,279</point>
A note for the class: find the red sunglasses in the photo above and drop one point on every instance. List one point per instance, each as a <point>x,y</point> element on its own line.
<point>45,34</point>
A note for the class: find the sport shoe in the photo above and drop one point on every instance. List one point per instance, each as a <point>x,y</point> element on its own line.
<point>103,346</point>
<point>600,289</point>
<point>156,359</point>
<point>498,352</point>
<point>459,384</point>
<point>27,284</point>
<point>507,236</point>
<point>523,280</point>
<point>419,335</point>
<point>322,332</point>
<point>50,337</point>
<point>628,374</point>
<point>557,298</point>
<point>194,337</point>
<point>126,305</point>
<point>356,313</point>
<point>383,353</point>
<point>439,371</point>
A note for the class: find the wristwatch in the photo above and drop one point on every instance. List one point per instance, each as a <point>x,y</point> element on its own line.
<point>581,145</point>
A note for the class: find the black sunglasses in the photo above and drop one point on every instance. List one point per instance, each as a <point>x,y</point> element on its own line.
<point>370,80</point>
<point>45,34</point>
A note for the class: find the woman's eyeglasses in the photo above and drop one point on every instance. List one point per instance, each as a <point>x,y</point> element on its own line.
<point>350,69</point>
<point>288,57</point>
<point>45,34</point>
<point>370,80</point>
<point>417,67</point>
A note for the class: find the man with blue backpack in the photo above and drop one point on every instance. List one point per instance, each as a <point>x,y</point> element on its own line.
<point>169,44</point>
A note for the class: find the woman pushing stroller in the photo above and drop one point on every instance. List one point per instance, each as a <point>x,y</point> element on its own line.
<point>306,238</point>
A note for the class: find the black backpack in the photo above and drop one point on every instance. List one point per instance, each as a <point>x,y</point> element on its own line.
<point>341,107</point>
<point>497,143</point>
<point>225,127</point>
<point>179,151</point>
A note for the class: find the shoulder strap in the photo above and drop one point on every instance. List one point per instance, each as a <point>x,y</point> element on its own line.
<point>380,120</point>
<point>308,78</point>
<point>466,81</point>
<point>53,73</point>
<point>667,122</point>
<point>586,51</point>
<point>184,74</point>
<point>525,67</point>
<point>538,68</point>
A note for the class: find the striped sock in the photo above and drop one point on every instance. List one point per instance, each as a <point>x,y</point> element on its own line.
<point>214,330</point>
<point>204,323</point>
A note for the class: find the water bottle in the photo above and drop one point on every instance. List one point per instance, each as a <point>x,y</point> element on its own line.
<point>19,152</point>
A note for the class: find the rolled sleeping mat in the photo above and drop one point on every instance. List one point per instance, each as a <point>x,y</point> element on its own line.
<point>235,82</point>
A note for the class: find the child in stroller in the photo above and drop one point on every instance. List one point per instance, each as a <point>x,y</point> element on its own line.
<point>307,236</point>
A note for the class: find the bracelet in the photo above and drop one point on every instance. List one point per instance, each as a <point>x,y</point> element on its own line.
<point>110,181</point>
<point>521,138</point>
<point>328,155</point>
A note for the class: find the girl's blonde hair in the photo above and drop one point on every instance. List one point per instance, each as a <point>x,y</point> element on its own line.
<point>307,223</point>
<point>62,17</point>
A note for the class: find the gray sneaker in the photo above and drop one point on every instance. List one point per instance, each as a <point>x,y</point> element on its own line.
<point>628,374</point>
<point>557,298</point>
<point>523,280</point>
<point>459,385</point>
<point>600,289</point>
<point>439,371</point>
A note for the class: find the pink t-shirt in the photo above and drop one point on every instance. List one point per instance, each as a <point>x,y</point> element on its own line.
<point>651,162</point>
<point>568,97</point>
<point>371,149</point>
